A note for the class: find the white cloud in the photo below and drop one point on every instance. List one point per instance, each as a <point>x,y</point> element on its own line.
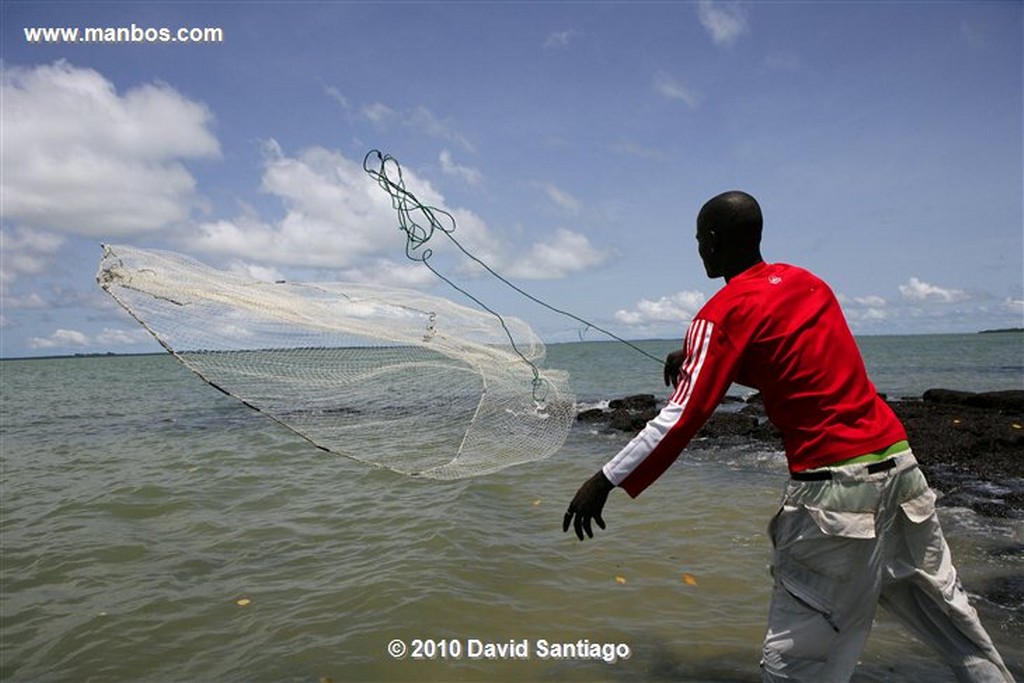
<point>384,272</point>
<point>869,308</point>
<point>1015,307</point>
<point>870,301</point>
<point>873,314</point>
<point>81,158</point>
<point>725,23</point>
<point>420,119</point>
<point>916,290</point>
<point>927,308</point>
<point>633,149</point>
<point>335,215</point>
<point>470,176</point>
<point>254,271</point>
<point>561,39</point>
<point>62,338</point>
<point>864,309</point>
<point>118,337</point>
<point>337,218</point>
<point>666,85</point>
<point>338,97</point>
<point>567,253</point>
<point>675,308</point>
<point>478,239</point>
<point>563,200</point>
<point>379,114</point>
<point>26,252</point>
<point>30,300</point>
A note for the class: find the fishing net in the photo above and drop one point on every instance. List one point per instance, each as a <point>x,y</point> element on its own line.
<point>394,378</point>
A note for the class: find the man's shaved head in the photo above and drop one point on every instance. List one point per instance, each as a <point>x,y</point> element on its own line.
<point>729,233</point>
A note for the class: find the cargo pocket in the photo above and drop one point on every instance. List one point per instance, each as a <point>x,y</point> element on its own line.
<point>805,595</point>
<point>922,532</point>
<point>921,507</point>
<point>809,600</point>
<point>830,543</point>
<point>844,524</point>
<point>819,554</point>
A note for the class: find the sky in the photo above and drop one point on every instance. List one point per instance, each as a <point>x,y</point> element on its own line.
<point>573,143</point>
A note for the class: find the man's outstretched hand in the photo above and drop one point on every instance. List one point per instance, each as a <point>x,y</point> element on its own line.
<point>587,504</point>
<point>673,363</point>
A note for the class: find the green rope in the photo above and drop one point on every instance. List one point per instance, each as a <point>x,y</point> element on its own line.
<point>436,220</point>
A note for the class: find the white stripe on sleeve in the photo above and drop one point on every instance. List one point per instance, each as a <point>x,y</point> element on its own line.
<point>698,340</point>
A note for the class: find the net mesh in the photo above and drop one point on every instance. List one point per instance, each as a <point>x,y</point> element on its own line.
<point>390,377</point>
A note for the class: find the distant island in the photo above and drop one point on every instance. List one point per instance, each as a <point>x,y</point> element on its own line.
<point>1000,331</point>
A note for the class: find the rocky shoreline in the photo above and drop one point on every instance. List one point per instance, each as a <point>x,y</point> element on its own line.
<point>970,445</point>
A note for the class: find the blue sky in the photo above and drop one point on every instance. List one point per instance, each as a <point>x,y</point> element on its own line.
<point>574,143</point>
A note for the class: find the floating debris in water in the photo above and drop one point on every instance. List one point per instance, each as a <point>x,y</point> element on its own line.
<point>243,601</point>
<point>689,579</point>
<point>620,579</point>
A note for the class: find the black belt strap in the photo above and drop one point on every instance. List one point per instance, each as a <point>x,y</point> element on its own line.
<point>824,475</point>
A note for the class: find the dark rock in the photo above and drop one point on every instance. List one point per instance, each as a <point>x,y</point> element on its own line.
<point>756,409</point>
<point>1015,550</point>
<point>961,447</point>
<point>970,445</point>
<point>1005,591</point>
<point>946,396</point>
<point>1010,401</point>
<point>626,421</point>
<point>729,424</point>
<point>631,413</point>
<point>591,415</point>
<point>639,402</point>
<point>991,440</point>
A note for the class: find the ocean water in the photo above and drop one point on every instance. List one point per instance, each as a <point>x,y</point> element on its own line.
<point>153,529</point>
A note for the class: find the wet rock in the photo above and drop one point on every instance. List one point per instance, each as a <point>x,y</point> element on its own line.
<point>729,424</point>
<point>973,454</point>
<point>592,415</point>
<point>630,414</point>
<point>970,445</point>
<point>1005,591</point>
<point>636,403</point>
<point>1011,401</point>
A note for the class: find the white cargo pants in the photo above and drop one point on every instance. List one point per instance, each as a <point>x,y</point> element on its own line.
<point>844,545</point>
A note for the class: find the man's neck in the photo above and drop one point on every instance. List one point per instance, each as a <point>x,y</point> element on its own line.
<point>741,267</point>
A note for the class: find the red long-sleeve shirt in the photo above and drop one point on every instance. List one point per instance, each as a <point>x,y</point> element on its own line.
<point>779,329</point>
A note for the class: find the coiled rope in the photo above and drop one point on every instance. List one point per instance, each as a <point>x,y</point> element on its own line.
<point>387,172</point>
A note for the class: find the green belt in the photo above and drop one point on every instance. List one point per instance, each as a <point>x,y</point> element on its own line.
<point>877,456</point>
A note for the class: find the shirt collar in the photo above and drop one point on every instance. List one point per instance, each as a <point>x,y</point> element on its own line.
<point>753,271</point>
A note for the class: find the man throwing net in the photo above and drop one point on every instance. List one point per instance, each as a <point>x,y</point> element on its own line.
<point>857,525</point>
